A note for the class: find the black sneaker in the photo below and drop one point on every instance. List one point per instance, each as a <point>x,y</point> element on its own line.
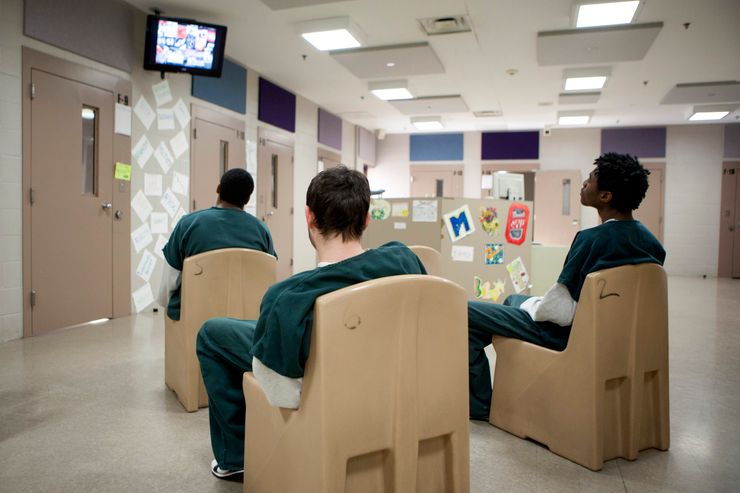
<point>228,474</point>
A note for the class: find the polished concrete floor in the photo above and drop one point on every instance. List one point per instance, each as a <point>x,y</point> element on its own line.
<point>85,409</point>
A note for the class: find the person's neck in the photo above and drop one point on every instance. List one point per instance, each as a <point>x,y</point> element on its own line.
<point>335,250</point>
<point>607,214</point>
<point>227,205</point>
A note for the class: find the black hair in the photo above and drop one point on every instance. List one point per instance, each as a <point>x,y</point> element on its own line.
<point>624,177</point>
<point>236,187</point>
<point>339,199</point>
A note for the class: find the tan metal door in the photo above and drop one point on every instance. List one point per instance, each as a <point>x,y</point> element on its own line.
<point>436,181</point>
<point>71,219</point>
<point>557,206</point>
<point>275,199</point>
<point>216,148</point>
<point>736,229</point>
<point>650,212</point>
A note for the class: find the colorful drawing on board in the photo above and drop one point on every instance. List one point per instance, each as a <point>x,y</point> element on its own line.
<point>400,209</point>
<point>494,253</point>
<point>424,211</point>
<point>489,220</point>
<point>484,290</point>
<point>459,223</point>
<point>518,275</point>
<point>516,223</point>
<point>380,209</point>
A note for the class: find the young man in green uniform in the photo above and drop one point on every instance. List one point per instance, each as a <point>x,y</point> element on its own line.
<point>615,188</point>
<point>226,225</point>
<point>276,346</point>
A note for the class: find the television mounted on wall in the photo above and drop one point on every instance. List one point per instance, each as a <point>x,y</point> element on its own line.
<point>184,45</point>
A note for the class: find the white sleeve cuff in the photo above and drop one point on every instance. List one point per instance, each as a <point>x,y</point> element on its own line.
<point>556,306</point>
<point>171,279</point>
<point>281,391</point>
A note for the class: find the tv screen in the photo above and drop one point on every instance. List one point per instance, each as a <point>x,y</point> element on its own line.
<point>183,45</point>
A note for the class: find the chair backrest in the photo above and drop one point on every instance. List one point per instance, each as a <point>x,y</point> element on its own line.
<point>430,257</point>
<point>388,369</point>
<point>621,319</point>
<point>229,282</point>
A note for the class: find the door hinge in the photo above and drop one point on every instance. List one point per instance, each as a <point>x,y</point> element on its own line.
<point>263,142</point>
<point>33,90</point>
<point>33,298</point>
<point>291,262</point>
<point>31,196</point>
<point>291,210</point>
<point>193,205</point>
<point>195,133</point>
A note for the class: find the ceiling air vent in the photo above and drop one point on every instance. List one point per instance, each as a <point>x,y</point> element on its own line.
<point>488,113</point>
<point>445,25</point>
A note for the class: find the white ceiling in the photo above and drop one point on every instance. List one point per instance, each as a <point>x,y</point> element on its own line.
<point>477,64</point>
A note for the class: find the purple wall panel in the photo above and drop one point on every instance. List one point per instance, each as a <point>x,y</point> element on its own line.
<point>640,142</point>
<point>276,106</point>
<point>330,129</point>
<point>510,145</point>
<point>732,140</point>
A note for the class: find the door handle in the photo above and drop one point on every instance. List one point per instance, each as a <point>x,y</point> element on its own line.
<point>106,205</point>
<point>271,213</point>
<point>118,214</point>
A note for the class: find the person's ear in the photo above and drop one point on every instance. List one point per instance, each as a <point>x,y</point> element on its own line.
<point>367,221</point>
<point>605,197</point>
<point>218,189</point>
<point>310,218</point>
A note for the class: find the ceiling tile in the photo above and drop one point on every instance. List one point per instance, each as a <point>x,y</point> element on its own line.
<point>433,105</point>
<point>407,60</point>
<point>704,92</point>
<point>291,4</point>
<point>596,45</point>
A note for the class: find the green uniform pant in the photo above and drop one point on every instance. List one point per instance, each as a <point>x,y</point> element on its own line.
<point>224,349</point>
<point>486,320</point>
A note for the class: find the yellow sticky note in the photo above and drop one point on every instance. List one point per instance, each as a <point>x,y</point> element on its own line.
<point>123,172</point>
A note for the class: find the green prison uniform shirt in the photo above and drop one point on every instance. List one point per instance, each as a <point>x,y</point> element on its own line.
<point>608,245</point>
<point>212,229</point>
<point>283,334</point>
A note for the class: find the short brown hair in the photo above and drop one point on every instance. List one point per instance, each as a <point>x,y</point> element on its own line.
<point>339,199</point>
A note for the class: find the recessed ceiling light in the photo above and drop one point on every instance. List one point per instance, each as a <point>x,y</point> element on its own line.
<point>594,13</point>
<point>709,113</point>
<point>586,79</point>
<point>427,123</point>
<point>574,117</point>
<point>336,33</point>
<point>391,90</point>
<point>390,64</point>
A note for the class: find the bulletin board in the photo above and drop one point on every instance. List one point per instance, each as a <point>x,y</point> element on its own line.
<point>485,243</point>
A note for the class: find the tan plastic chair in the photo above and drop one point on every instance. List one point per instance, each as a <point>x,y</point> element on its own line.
<point>384,404</point>
<point>430,257</point>
<point>606,394</point>
<point>220,283</point>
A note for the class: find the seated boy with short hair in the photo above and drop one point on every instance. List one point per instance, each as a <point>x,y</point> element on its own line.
<point>615,188</point>
<point>276,346</point>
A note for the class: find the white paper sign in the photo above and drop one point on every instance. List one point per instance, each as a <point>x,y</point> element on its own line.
<point>463,253</point>
<point>144,112</point>
<point>158,222</point>
<point>162,92</point>
<point>179,144</point>
<point>159,245</point>
<point>486,182</point>
<point>146,266</point>
<point>178,216</point>
<point>170,202</point>
<point>165,119</point>
<point>180,183</point>
<point>141,206</point>
<point>164,157</point>
<point>181,113</point>
<point>153,185</point>
<point>123,120</point>
<point>399,225</point>
<point>142,151</point>
<point>141,237</point>
<point>143,297</point>
<point>424,211</point>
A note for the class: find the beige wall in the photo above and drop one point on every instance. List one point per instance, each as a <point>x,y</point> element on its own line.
<point>692,183</point>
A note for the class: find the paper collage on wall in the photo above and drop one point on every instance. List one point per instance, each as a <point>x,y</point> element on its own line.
<point>516,223</point>
<point>156,203</point>
<point>518,275</point>
<point>459,223</point>
<point>380,209</point>
<point>486,290</point>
